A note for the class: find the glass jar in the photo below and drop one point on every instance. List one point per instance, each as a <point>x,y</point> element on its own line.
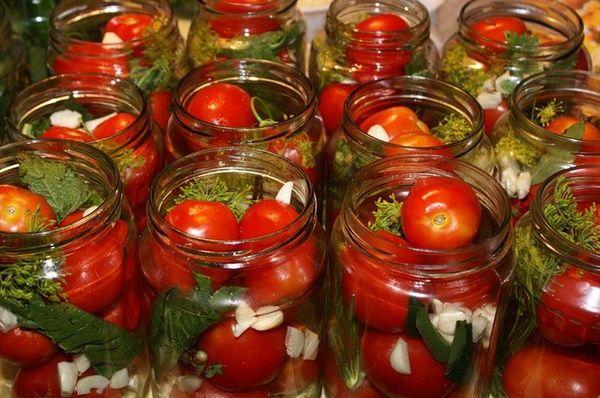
<point>433,103</point>
<point>533,141</point>
<point>71,302</point>
<point>530,36</point>
<point>151,52</point>
<point>395,309</point>
<point>554,305</point>
<point>131,138</point>
<point>259,332</point>
<point>283,109</point>
<point>229,29</point>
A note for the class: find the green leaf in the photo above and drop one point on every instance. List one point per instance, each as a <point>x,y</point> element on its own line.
<point>575,131</point>
<point>414,306</point>
<point>459,357</point>
<point>418,65</point>
<point>73,105</point>
<point>36,128</point>
<point>108,347</point>
<point>435,343</point>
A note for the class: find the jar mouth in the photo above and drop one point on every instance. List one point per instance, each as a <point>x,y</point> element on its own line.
<point>49,95</point>
<point>285,78</point>
<point>241,9</point>
<point>584,182</point>
<point>413,92</point>
<point>100,172</point>
<point>580,88</point>
<point>264,168</point>
<point>341,20</point>
<point>400,173</point>
<point>557,17</point>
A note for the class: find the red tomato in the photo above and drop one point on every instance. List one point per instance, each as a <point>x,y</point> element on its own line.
<point>41,381</point>
<point>335,386</point>
<point>203,219</point>
<point>562,123</point>
<point>552,372</point>
<point>18,207</point>
<point>252,360</point>
<point>232,26</point>
<point>426,378</point>
<point>243,6</point>
<point>126,312</point>
<point>383,22</point>
<point>129,26</point>
<point>404,142</point>
<point>65,133</point>
<point>331,104</point>
<point>296,375</point>
<point>569,310</point>
<point>26,347</point>
<point>160,102</point>
<point>396,120</point>
<point>491,31</point>
<point>491,116</point>
<point>114,125</point>
<point>223,104</point>
<point>266,217</point>
<point>298,150</point>
<point>441,213</point>
<point>207,390</point>
<point>90,57</point>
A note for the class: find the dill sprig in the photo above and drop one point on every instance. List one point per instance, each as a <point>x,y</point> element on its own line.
<point>452,128</point>
<point>25,280</point>
<point>36,222</point>
<point>514,147</point>
<point>217,191</point>
<point>545,114</point>
<point>458,69</point>
<point>524,44</point>
<point>387,216</point>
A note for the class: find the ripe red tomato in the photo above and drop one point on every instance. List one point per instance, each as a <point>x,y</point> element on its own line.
<point>160,102</point>
<point>396,120</point>
<point>207,390</point>
<point>26,347</point>
<point>560,124</point>
<point>114,125</point>
<point>569,310</point>
<point>126,312</point>
<point>550,371</point>
<point>296,375</point>
<point>40,381</point>
<point>384,22</point>
<point>491,116</point>
<point>491,31</point>
<point>299,150</point>
<point>90,57</point>
<point>223,104</point>
<point>203,219</point>
<point>232,26</point>
<point>441,213</point>
<point>252,360</point>
<point>331,104</point>
<point>426,378</point>
<point>404,143</point>
<point>18,207</point>
<point>335,386</point>
<point>129,26</point>
<point>266,217</point>
<point>65,133</point>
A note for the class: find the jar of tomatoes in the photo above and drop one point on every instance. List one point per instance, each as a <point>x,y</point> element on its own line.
<point>365,41</point>
<point>138,40</point>
<point>107,112</point>
<point>553,124</point>
<point>234,257</point>
<point>70,307</point>
<point>499,43</point>
<point>249,102</point>
<point>233,29</point>
<point>406,114</point>
<point>423,258</point>
<point>554,305</point>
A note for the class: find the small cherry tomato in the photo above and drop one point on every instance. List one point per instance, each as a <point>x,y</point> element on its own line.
<point>296,375</point>
<point>160,102</point>
<point>384,22</point>
<point>204,219</point>
<point>65,133</point>
<point>491,31</point>
<point>40,381</point>
<point>126,312</point>
<point>299,150</point>
<point>331,104</point>
<point>491,116</point>
<point>266,217</point>
<point>441,213</point>
<point>90,57</point>
<point>426,378</point>
<point>405,142</point>
<point>251,360</point>
<point>129,26</point>
<point>113,126</point>
<point>26,347</point>
<point>223,104</point>
<point>396,121</point>
<point>24,211</point>
<point>560,125</point>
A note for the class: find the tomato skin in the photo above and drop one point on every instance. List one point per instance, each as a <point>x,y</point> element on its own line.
<point>450,199</point>
<point>266,217</point>
<point>26,347</point>
<point>203,219</point>
<point>331,104</point>
<point>160,103</point>
<point>18,205</point>
<point>40,381</point>
<point>129,26</point>
<point>560,124</point>
<point>222,104</point>
<point>229,27</point>
<point>90,57</point>
<point>569,312</point>
<point>384,22</point>
<point>396,120</point>
<point>405,142</point>
<point>550,371</point>
<point>252,360</point>
<point>298,150</point>
<point>114,125</point>
<point>491,116</point>
<point>126,312</point>
<point>295,375</point>
<point>65,133</point>
<point>491,31</point>
<point>426,379</point>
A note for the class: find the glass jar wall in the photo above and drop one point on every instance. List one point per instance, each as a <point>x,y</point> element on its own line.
<point>416,312</point>
<point>71,303</point>
<point>109,113</point>
<point>234,258</point>
<point>273,30</point>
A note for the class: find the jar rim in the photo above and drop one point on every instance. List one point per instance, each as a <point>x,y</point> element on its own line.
<point>280,6</point>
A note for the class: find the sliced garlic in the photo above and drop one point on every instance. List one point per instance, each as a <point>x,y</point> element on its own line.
<point>111,38</point>
<point>311,345</point>
<point>268,321</point>
<point>508,180</point>
<point>489,100</point>
<point>399,359</point>
<point>479,323</point>
<point>82,362</point>
<point>90,125</point>
<point>523,184</point>
<point>120,379</point>
<point>437,306</point>
<point>8,320</point>
<point>267,309</point>
<point>285,193</point>
<point>447,320</point>
<point>89,383</point>
<point>89,210</point>
<point>67,378</point>
<point>242,325</point>
<point>294,342</point>
<point>188,383</point>
<point>377,131</point>
<point>66,118</point>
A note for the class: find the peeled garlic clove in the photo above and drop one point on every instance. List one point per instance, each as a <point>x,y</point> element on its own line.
<point>311,345</point>
<point>82,362</point>
<point>8,320</point>
<point>399,359</point>
<point>523,185</point>
<point>242,325</point>
<point>89,383</point>
<point>447,321</point>
<point>489,100</point>
<point>268,321</point>
<point>285,193</point>
<point>67,378</point>
<point>479,325</point>
<point>437,306</point>
<point>377,131</point>
<point>111,38</point>
<point>66,118</point>
<point>120,379</point>
<point>294,342</point>
<point>90,125</point>
<point>188,383</point>
<point>267,309</point>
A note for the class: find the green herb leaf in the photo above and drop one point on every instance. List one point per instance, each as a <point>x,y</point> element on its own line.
<point>575,131</point>
<point>418,65</point>
<point>108,347</point>
<point>36,128</point>
<point>414,307</point>
<point>151,78</point>
<point>27,279</point>
<point>73,105</point>
<point>387,216</point>
<point>213,370</point>
<point>452,128</point>
<point>459,357</point>
<point>217,191</point>
<point>435,343</point>
<point>519,49</point>
<point>58,183</point>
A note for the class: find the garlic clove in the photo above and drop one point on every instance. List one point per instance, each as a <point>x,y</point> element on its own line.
<point>267,309</point>
<point>377,131</point>
<point>90,125</point>
<point>285,193</point>
<point>189,383</point>
<point>67,378</point>
<point>508,180</point>
<point>8,320</point>
<point>111,38</point>
<point>89,383</point>
<point>120,379</point>
<point>437,305</point>
<point>243,311</point>
<point>447,320</point>
<point>479,325</point>
<point>399,359</point>
<point>242,325</point>
<point>66,118</point>
<point>268,321</point>
<point>82,362</point>
<point>523,185</point>
<point>489,100</point>
<point>294,342</point>
<point>311,345</point>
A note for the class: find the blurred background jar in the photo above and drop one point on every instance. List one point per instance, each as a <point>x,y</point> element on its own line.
<point>71,299</point>
<point>107,112</point>
<point>365,41</point>
<point>254,103</point>
<point>273,30</point>
<point>234,259</point>
<point>554,306</point>
<point>500,43</point>
<point>397,308</point>
<point>407,114</point>
<point>137,40</point>
<point>553,124</point>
